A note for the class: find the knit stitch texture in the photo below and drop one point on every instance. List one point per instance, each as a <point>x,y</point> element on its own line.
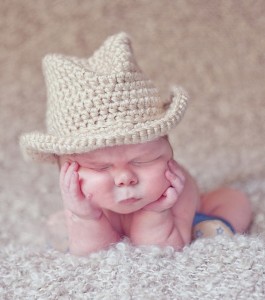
<point>101,101</point>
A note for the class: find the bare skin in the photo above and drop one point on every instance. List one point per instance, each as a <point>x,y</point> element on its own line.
<point>138,191</point>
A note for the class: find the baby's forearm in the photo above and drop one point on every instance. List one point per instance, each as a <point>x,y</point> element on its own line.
<point>156,228</point>
<point>89,235</point>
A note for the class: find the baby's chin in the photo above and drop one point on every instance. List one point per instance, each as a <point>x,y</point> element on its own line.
<point>128,206</point>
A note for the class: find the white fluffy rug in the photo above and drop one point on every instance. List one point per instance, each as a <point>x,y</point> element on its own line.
<point>216,269</point>
<point>215,50</point>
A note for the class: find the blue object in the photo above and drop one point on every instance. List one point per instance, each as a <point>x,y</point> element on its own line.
<point>200,217</point>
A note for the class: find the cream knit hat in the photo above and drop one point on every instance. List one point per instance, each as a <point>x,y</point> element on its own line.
<point>101,101</point>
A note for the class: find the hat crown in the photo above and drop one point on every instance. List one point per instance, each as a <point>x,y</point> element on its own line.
<point>114,56</point>
<point>100,102</point>
<point>108,89</point>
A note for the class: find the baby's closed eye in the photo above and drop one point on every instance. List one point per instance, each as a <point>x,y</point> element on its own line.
<point>100,168</point>
<point>145,161</point>
<point>96,167</point>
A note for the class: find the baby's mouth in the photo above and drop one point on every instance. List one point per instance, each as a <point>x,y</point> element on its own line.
<point>127,195</point>
<point>131,200</point>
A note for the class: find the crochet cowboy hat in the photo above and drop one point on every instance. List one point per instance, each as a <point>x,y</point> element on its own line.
<point>101,101</point>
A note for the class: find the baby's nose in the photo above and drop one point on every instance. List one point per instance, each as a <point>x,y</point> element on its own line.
<point>125,178</point>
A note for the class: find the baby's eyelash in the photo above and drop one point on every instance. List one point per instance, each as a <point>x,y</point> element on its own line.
<point>145,161</point>
<point>141,162</point>
<point>100,168</point>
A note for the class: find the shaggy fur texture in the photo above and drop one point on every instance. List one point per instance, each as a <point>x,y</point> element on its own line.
<point>216,269</point>
<point>215,50</point>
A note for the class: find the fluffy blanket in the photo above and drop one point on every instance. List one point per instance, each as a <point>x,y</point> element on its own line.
<point>215,50</point>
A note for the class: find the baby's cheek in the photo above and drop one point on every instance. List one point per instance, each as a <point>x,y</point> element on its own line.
<point>157,181</point>
<point>95,184</point>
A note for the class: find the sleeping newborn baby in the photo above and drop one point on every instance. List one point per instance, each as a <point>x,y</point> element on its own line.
<point>139,191</point>
<point>107,129</point>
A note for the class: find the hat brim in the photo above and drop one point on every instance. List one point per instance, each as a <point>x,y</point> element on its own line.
<point>45,147</point>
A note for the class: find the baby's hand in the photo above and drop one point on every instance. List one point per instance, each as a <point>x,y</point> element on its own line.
<point>175,176</point>
<point>177,180</point>
<point>73,197</point>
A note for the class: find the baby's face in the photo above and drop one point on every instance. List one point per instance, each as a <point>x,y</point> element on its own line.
<point>124,178</point>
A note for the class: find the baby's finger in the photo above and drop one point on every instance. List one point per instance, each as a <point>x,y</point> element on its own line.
<point>63,172</point>
<point>73,167</point>
<point>171,196</point>
<point>74,187</point>
<point>175,181</point>
<point>175,168</point>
